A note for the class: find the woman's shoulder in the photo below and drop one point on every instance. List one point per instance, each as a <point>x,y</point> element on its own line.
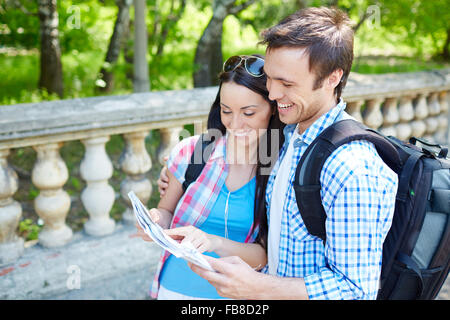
<point>185,146</point>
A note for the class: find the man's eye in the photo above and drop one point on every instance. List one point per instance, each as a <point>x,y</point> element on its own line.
<point>287,85</point>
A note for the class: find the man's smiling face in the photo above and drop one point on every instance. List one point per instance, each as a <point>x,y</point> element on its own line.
<point>290,82</point>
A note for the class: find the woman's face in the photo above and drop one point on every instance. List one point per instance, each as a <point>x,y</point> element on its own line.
<point>244,113</point>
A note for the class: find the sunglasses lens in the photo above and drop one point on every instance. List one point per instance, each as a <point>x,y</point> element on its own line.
<point>231,63</point>
<point>255,66</point>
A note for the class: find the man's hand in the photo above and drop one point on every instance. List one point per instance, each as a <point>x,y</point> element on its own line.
<point>233,277</point>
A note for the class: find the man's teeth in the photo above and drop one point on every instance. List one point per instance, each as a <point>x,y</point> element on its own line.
<point>284,106</point>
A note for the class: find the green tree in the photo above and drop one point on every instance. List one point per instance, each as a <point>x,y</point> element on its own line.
<point>420,21</point>
<point>208,54</point>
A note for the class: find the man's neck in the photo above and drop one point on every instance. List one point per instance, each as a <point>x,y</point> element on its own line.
<point>326,107</point>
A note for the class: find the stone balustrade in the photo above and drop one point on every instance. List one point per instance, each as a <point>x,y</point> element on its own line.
<point>402,105</point>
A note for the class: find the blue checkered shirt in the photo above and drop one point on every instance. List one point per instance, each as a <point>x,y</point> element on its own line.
<point>358,194</point>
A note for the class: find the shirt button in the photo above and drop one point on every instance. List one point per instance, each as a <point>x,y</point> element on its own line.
<point>298,142</point>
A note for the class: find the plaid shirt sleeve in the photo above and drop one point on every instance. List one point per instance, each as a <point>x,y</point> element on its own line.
<point>358,195</point>
<point>180,157</point>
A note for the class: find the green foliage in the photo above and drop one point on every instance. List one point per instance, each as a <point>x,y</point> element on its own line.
<point>29,230</point>
<point>402,28</point>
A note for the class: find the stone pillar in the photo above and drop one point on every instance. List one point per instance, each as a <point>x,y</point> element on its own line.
<point>420,113</point>
<point>135,162</point>
<point>432,121</point>
<point>98,196</point>
<point>406,112</point>
<point>11,246</point>
<point>52,204</point>
<point>200,127</point>
<point>390,117</point>
<point>169,138</point>
<point>372,116</point>
<point>354,109</point>
<point>441,134</point>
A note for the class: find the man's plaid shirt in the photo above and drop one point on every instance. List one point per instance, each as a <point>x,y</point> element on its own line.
<point>358,194</point>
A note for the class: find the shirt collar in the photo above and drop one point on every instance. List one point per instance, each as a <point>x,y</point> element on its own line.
<point>219,148</point>
<point>318,126</point>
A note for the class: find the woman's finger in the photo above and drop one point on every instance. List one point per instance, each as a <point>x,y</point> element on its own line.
<point>154,214</point>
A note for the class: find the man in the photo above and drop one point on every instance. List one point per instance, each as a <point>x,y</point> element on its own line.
<point>308,59</point>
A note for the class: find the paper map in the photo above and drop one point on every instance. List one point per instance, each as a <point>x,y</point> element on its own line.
<point>157,234</point>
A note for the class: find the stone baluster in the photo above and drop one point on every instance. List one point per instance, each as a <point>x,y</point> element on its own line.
<point>169,138</point>
<point>199,127</point>
<point>53,203</point>
<point>11,246</point>
<point>432,121</point>
<point>354,109</point>
<point>135,162</point>
<point>442,132</point>
<point>390,117</point>
<point>406,112</point>
<point>98,196</point>
<point>418,125</point>
<point>372,116</point>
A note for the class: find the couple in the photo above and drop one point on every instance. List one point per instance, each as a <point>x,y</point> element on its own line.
<point>247,221</point>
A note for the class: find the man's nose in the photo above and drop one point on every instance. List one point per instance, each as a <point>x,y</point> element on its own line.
<point>275,92</point>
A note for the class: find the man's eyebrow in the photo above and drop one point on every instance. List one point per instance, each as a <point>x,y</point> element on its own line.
<point>245,107</point>
<point>278,78</point>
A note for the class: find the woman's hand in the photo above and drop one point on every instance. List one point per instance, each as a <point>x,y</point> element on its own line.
<point>202,241</point>
<point>155,215</point>
<point>163,181</point>
<point>141,233</point>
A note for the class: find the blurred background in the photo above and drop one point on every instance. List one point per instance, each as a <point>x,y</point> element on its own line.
<point>88,45</point>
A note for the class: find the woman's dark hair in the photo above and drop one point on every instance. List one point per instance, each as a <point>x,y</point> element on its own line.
<point>272,138</point>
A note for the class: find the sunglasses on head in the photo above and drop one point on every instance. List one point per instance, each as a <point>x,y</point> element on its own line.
<point>253,65</point>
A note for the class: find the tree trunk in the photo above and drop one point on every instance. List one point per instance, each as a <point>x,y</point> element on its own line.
<point>445,51</point>
<point>171,20</point>
<point>120,30</point>
<point>141,81</point>
<point>208,55</point>
<point>51,77</point>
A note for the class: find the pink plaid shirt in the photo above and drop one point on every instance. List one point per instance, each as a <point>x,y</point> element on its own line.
<point>195,205</point>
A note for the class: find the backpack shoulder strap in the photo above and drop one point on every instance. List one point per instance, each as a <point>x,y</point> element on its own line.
<point>202,152</point>
<point>307,176</point>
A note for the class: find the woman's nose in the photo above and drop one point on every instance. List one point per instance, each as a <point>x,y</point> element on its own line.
<point>237,122</point>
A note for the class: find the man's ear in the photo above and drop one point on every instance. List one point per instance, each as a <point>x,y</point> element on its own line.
<point>334,79</point>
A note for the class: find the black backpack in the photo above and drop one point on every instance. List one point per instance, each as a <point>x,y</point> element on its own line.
<point>416,251</point>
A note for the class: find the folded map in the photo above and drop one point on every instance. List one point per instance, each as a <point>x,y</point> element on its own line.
<point>157,234</point>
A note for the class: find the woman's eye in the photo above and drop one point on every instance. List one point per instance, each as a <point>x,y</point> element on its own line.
<point>249,114</point>
<point>226,112</point>
<point>287,85</point>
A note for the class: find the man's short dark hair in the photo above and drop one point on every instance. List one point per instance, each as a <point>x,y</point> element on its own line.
<point>327,36</point>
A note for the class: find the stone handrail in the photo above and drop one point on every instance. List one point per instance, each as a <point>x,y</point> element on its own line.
<point>403,105</point>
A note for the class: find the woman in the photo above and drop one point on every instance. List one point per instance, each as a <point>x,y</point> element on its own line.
<point>223,211</point>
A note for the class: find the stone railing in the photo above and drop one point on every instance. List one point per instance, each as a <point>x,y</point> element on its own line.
<point>403,105</point>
